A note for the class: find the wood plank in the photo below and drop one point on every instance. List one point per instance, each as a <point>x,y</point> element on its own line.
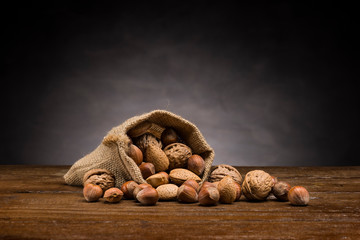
<point>36,204</point>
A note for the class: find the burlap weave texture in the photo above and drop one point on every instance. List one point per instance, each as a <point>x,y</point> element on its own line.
<point>111,154</point>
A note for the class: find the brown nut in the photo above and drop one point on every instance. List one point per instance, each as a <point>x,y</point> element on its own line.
<point>299,196</point>
<point>196,164</point>
<point>257,185</point>
<point>158,179</point>
<point>113,195</point>
<point>156,156</point>
<point>92,192</point>
<point>187,194</point>
<point>140,187</point>
<point>128,189</point>
<point>275,180</point>
<point>169,136</point>
<point>167,192</point>
<point>179,175</point>
<point>147,169</point>
<point>178,155</point>
<point>145,140</point>
<point>148,196</point>
<point>280,190</point>
<point>192,183</point>
<point>102,177</point>
<point>238,191</point>
<point>207,184</point>
<point>223,170</point>
<point>227,190</point>
<point>136,154</point>
<point>140,129</point>
<point>208,196</point>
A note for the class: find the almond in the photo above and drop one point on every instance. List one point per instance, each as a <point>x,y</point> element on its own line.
<point>158,179</point>
<point>156,156</point>
<point>167,192</point>
<point>180,175</point>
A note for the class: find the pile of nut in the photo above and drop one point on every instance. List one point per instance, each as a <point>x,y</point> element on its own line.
<point>173,173</point>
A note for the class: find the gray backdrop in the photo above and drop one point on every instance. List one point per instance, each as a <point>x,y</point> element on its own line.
<point>266,84</point>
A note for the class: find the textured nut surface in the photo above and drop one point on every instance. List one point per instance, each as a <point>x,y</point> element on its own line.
<point>178,154</point>
<point>280,190</point>
<point>102,177</point>
<point>145,140</point>
<point>187,194</point>
<point>179,175</point>
<point>128,189</point>
<point>196,164</point>
<point>156,156</point>
<point>139,129</point>
<point>169,136</point>
<point>299,196</point>
<point>158,179</point>
<point>257,185</point>
<point>92,192</point>
<point>208,196</point>
<point>227,190</point>
<point>136,154</point>
<point>167,192</point>
<point>222,170</point>
<point>113,195</point>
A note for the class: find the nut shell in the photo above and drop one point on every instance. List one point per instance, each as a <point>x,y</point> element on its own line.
<point>147,169</point>
<point>208,196</point>
<point>227,190</point>
<point>92,192</point>
<point>140,187</point>
<point>192,183</point>
<point>187,194</point>
<point>223,170</point>
<point>148,196</point>
<point>158,179</point>
<point>156,156</point>
<point>169,136</point>
<point>179,175</point>
<point>128,189</point>
<point>299,196</point>
<point>102,177</point>
<point>178,155</point>
<point>196,164</point>
<point>145,140</point>
<point>140,129</point>
<point>257,185</point>
<point>167,192</point>
<point>113,195</point>
<point>136,154</point>
<point>280,190</point>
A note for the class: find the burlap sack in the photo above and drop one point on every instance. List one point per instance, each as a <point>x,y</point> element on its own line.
<point>111,154</point>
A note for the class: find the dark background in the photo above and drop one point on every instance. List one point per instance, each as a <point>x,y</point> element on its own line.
<point>266,84</point>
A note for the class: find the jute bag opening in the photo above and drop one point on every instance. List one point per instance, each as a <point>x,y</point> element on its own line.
<point>112,155</point>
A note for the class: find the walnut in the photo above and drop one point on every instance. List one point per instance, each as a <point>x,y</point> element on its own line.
<point>144,140</point>
<point>257,185</point>
<point>101,177</point>
<point>178,154</point>
<point>224,170</point>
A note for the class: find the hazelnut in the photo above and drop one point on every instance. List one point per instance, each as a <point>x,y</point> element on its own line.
<point>140,187</point>
<point>128,189</point>
<point>280,190</point>
<point>136,154</point>
<point>92,192</point>
<point>147,169</point>
<point>187,194</point>
<point>298,196</point>
<point>238,191</point>
<point>113,195</point>
<point>169,136</point>
<point>148,196</point>
<point>207,184</point>
<point>158,179</point>
<point>275,180</point>
<point>227,190</point>
<point>196,164</point>
<point>192,183</point>
<point>208,196</point>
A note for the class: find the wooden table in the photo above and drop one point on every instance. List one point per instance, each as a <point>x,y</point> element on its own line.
<point>35,203</point>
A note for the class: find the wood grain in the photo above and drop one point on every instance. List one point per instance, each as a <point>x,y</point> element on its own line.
<point>35,203</point>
